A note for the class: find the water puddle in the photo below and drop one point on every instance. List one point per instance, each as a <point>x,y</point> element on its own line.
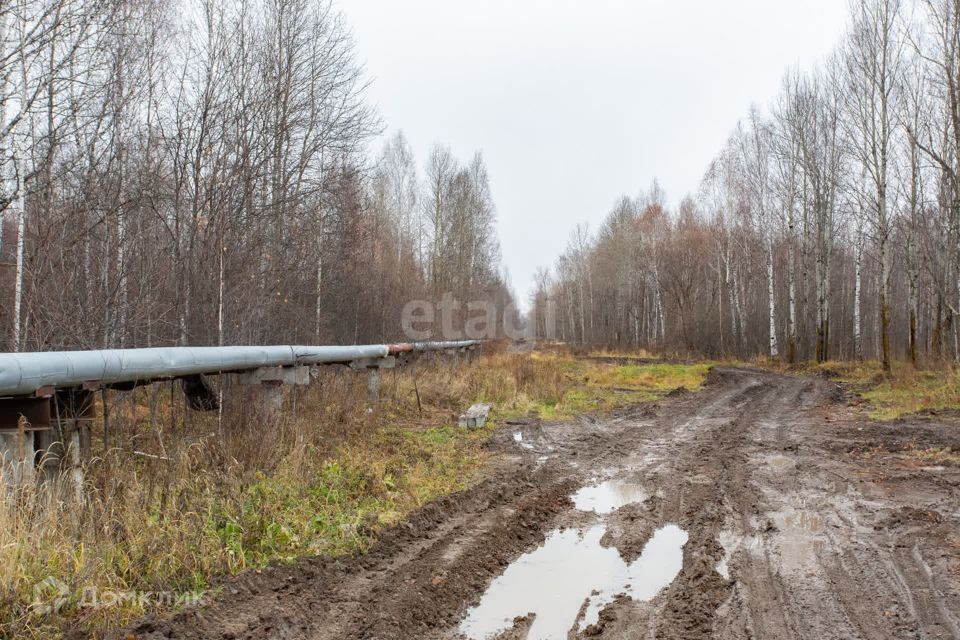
<point>571,566</point>
<point>518,438</point>
<point>609,496</point>
<point>729,543</point>
<point>723,567</point>
<point>802,521</point>
<point>781,462</point>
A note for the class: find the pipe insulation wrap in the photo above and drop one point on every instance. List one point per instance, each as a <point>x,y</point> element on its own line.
<point>25,373</point>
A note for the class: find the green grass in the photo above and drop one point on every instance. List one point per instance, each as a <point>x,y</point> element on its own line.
<point>661,378</point>
<point>597,387</point>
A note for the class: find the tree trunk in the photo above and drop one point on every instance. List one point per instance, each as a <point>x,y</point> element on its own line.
<point>771,298</point>
<point>857,330</point>
<point>21,233</point>
<point>791,293</point>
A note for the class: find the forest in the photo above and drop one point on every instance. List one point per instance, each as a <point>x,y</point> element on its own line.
<point>201,174</point>
<point>828,225</point>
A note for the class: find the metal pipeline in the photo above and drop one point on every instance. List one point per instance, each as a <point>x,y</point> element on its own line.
<point>24,373</point>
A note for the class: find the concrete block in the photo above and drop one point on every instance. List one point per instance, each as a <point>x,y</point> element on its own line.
<point>475,417</point>
<point>276,376</point>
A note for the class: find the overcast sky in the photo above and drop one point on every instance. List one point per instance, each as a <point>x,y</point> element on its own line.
<point>576,103</point>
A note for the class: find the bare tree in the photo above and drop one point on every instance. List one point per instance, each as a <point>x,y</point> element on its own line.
<point>873,59</point>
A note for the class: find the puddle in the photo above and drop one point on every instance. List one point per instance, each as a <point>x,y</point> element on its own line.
<point>609,496</point>
<point>799,538</point>
<point>518,438</point>
<point>803,521</point>
<point>723,567</point>
<point>554,580</point>
<point>729,543</point>
<point>781,462</point>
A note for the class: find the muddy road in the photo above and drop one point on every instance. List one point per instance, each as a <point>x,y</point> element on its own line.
<point>763,506</point>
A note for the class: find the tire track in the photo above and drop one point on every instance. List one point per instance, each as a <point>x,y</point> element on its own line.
<point>790,534</point>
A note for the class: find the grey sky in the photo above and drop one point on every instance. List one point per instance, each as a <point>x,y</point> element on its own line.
<point>575,103</point>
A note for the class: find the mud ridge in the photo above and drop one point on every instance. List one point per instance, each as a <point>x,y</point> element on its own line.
<point>802,520</point>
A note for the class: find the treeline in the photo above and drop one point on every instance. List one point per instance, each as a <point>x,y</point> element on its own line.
<point>197,173</point>
<point>827,227</point>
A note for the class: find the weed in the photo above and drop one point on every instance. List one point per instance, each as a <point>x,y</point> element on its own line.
<point>219,499</point>
<point>903,391</point>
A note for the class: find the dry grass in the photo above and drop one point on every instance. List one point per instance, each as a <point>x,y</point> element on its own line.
<point>933,456</point>
<point>904,391</point>
<point>910,391</point>
<point>261,489</point>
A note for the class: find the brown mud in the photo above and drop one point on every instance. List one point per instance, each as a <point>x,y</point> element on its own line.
<point>804,520</point>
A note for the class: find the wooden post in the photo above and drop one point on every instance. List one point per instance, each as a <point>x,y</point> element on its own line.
<point>21,419</point>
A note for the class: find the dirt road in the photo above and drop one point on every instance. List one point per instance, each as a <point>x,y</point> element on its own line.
<point>762,506</point>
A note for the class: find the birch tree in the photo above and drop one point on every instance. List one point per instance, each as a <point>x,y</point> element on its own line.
<point>873,61</point>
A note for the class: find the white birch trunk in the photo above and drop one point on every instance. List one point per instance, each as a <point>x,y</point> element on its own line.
<point>658,305</point>
<point>6,180</point>
<point>583,325</point>
<point>792,295</point>
<point>720,300</point>
<point>121,321</point>
<point>19,162</point>
<point>319,308</point>
<point>857,330</point>
<point>185,311</point>
<point>220,289</point>
<point>772,303</point>
<point>21,232</point>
